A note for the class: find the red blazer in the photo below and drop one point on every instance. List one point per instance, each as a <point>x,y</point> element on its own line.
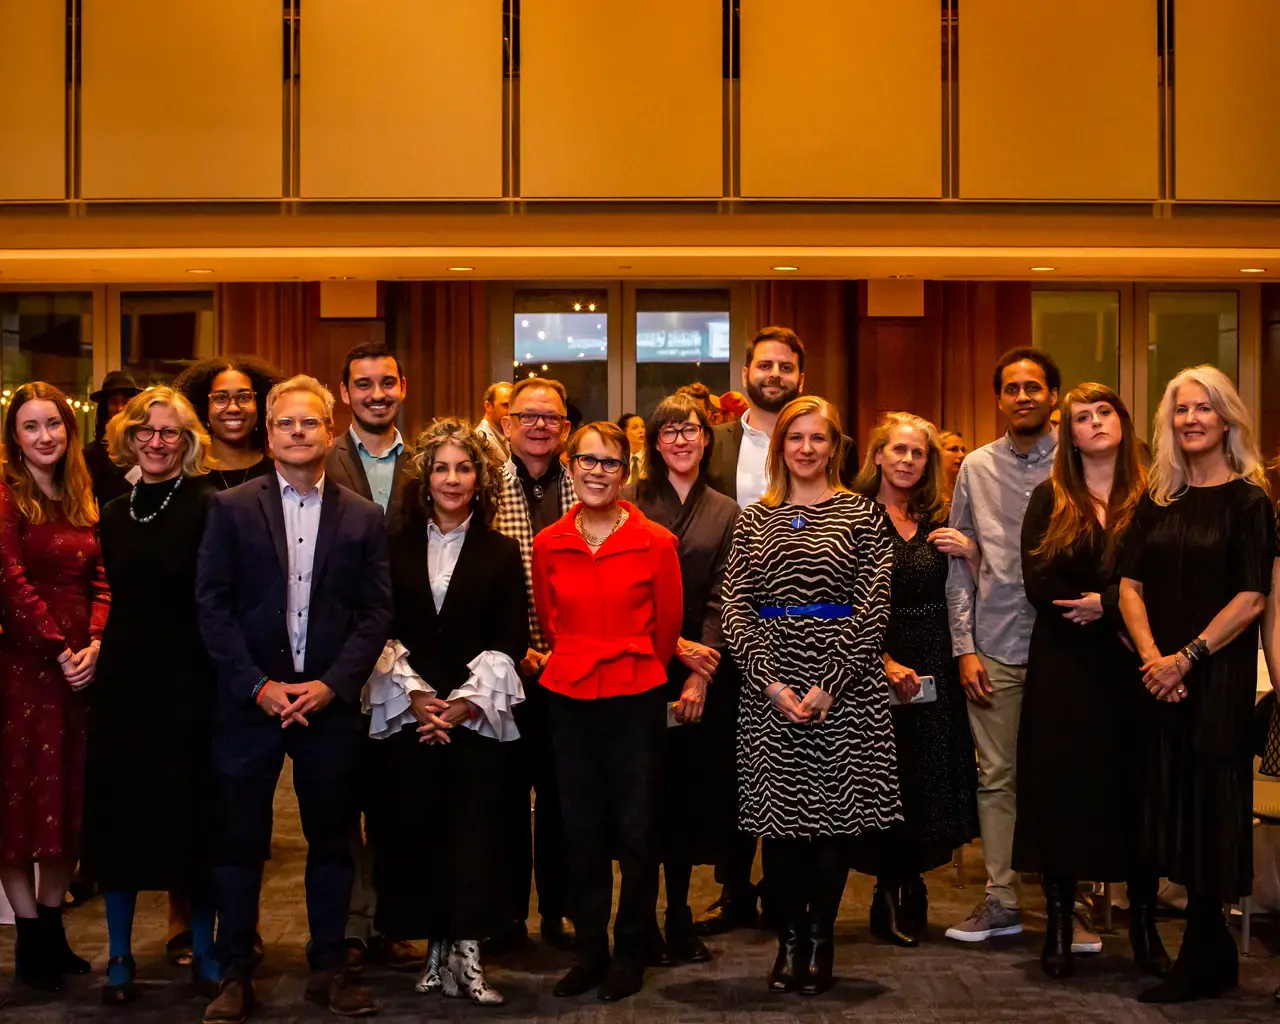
<point>611,619</point>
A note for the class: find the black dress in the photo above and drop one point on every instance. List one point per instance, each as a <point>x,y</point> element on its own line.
<point>1077,759</point>
<point>1192,557</point>
<point>149,803</point>
<point>937,771</point>
<point>699,799</point>
<point>225,479</point>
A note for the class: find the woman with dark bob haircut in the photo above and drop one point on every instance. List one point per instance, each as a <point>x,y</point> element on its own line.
<point>229,394</point>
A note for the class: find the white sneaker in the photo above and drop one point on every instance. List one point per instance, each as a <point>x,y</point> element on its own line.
<point>989,919</point>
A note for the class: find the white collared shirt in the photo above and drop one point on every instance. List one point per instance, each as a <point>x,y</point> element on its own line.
<point>443,550</point>
<point>301,527</point>
<point>753,463</point>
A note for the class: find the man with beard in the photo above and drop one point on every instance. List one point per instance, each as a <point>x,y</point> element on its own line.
<point>370,458</point>
<point>773,374</point>
<point>991,620</point>
<point>497,401</point>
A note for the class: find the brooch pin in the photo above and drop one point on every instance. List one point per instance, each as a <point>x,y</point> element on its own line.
<point>799,523</point>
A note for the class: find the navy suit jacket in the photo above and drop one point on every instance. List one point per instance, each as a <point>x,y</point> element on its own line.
<point>241,594</point>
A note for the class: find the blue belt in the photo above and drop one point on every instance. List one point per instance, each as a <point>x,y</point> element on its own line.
<point>809,611</point>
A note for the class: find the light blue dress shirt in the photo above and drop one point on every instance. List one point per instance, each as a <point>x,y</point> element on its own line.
<point>301,527</point>
<point>379,470</point>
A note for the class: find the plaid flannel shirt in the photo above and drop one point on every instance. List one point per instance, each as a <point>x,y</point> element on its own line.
<point>513,520</point>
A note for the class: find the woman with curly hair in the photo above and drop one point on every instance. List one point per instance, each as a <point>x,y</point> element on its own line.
<point>440,703</point>
<point>229,394</point>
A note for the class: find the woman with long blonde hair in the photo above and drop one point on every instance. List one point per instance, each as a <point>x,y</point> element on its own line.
<point>1079,824</point>
<point>53,606</point>
<point>1196,569</point>
<point>806,602</point>
<point>904,472</point>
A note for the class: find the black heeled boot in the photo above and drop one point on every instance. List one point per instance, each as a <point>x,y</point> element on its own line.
<point>1205,966</point>
<point>1059,895</point>
<point>887,920</point>
<point>32,964</point>
<point>784,873</point>
<point>913,908</point>
<point>830,871</point>
<point>682,940</point>
<point>1148,950</point>
<point>789,965</point>
<point>61,956</point>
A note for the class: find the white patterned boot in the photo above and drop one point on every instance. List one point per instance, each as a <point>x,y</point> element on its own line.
<point>432,971</point>
<point>463,975</point>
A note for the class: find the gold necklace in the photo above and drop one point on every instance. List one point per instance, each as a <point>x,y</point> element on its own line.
<point>592,540</point>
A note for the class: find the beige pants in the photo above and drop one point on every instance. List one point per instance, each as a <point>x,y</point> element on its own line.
<point>995,734</point>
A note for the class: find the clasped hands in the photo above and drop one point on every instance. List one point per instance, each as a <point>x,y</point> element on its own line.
<point>702,662</point>
<point>292,702</point>
<point>436,717</point>
<point>812,708</point>
<point>78,667</point>
<point>1162,675</point>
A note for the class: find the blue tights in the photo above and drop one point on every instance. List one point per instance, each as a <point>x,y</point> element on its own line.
<point>120,905</point>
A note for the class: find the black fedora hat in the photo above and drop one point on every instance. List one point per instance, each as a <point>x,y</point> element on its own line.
<point>116,380</point>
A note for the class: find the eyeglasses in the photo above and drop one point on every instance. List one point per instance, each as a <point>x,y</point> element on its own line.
<point>169,435</point>
<point>589,462</point>
<point>308,425</point>
<point>222,399</point>
<point>553,421</point>
<point>688,431</point>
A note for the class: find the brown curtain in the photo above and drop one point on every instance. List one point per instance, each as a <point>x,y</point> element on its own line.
<point>817,311</point>
<point>441,333</point>
<point>271,320</point>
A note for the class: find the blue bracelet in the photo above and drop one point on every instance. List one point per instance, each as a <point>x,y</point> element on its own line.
<point>258,689</point>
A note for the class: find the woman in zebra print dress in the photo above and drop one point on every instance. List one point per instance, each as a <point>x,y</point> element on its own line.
<point>806,602</point>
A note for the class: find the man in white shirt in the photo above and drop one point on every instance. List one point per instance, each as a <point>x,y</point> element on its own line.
<point>294,591</point>
<point>497,403</point>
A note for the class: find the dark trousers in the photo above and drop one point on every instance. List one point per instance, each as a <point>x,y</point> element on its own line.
<point>537,842</point>
<point>609,759</point>
<point>248,758</point>
<point>733,872</point>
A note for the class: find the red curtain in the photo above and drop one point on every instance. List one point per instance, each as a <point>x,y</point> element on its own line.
<point>269,319</point>
<point>817,312</point>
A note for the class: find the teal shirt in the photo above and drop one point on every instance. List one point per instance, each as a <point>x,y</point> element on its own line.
<point>379,470</point>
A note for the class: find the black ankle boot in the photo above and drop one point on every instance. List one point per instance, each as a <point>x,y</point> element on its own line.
<point>1148,951</point>
<point>887,918</point>
<point>913,907</point>
<point>1208,963</point>
<point>1056,960</point>
<point>656,952</point>
<point>682,940</point>
<point>60,954</point>
<point>32,964</point>
<point>789,965</point>
<point>818,974</point>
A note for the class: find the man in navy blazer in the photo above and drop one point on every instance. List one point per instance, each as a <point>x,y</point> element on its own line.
<point>294,593</point>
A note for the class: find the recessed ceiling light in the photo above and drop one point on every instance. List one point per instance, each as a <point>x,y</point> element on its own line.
<point>461,270</point>
<point>1252,270</point>
<point>785,268</point>
<point>199,270</point>
<point>341,278</point>
<point>1044,270</point>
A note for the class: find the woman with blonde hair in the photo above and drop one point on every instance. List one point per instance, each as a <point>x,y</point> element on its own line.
<point>806,602</point>
<point>1081,679</point>
<point>904,473</point>
<point>53,606</point>
<point>1196,569</point>
<point>150,799</point>
<point>441,712</point>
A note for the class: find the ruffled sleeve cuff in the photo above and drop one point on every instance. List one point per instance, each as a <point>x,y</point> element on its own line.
<point>494,689</point>
<point>386,696</point>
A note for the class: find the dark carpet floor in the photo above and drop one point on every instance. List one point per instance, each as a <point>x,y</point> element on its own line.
<point>944,981</point>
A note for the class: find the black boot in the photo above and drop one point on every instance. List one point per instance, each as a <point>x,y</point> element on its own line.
<point>789,965</point>
<point>1060,896</point>
<point>830,871</point>
<point>60,953</point>
<point>913,907</point>
<point>820,965</point>
<point>682,940</point>
<point>1148,951</point>
<point>886,917</point>
<point>1205,967</point>
<point>656,952</point>
<point>32,964</point>
<point>734,909</point>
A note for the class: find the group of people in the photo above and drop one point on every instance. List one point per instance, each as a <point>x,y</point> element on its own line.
<point>682,638</point>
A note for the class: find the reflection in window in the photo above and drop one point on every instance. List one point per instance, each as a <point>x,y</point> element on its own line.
<point>162,333</point>
<point>48,336</point>
<point>682,337</point>
<point>1187,328</point>
<point>1081,331</point>
<point>564,335</point>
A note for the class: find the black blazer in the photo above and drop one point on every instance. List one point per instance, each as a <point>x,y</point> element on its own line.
<point>484,608</point>
<point>241,593</point>
<point>343,465</point>
<point>722,473</point>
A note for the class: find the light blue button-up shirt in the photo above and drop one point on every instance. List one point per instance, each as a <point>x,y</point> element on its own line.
<point>991,498</point>
<point>379,470</point>
<point>301,527</point>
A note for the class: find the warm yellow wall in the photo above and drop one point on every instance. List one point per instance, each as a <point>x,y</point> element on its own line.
<point>33,99</point>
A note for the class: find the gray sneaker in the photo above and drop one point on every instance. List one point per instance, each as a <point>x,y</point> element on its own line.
<point>989,918</point>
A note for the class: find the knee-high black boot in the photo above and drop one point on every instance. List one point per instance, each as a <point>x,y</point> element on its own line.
<point>1148,951</point>
<point>1208,963</point>
<point>829,870</point>
<point>1059,896</point>
<point>888,916</point>
<point>784,871</point>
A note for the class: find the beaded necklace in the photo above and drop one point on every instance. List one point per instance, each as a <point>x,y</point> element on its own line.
<point>163,505</point>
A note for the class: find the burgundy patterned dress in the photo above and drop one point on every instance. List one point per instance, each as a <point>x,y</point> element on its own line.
<point>53,595</point>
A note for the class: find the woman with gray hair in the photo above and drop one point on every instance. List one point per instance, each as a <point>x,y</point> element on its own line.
<point>1196,570</point>
<point>440,704</point>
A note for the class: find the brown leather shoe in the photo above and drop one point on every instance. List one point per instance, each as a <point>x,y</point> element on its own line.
<point>398,954</point>
<point>357,953</point>
<point>233,1003</point>
<point>334,990</point>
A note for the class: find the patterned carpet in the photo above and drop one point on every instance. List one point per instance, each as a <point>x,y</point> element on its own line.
<point>941,981</point>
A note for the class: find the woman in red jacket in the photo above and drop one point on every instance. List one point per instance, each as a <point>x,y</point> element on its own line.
<point>607,585</point>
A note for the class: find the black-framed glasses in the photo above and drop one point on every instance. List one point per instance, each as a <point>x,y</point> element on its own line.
<point>169,435</point>
<point>687,431</point>
<point>552,420</point>
<point>609,464</point>
<point>242,399</point>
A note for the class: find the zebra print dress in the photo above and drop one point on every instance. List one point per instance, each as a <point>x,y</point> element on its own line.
<point>838,777</point>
